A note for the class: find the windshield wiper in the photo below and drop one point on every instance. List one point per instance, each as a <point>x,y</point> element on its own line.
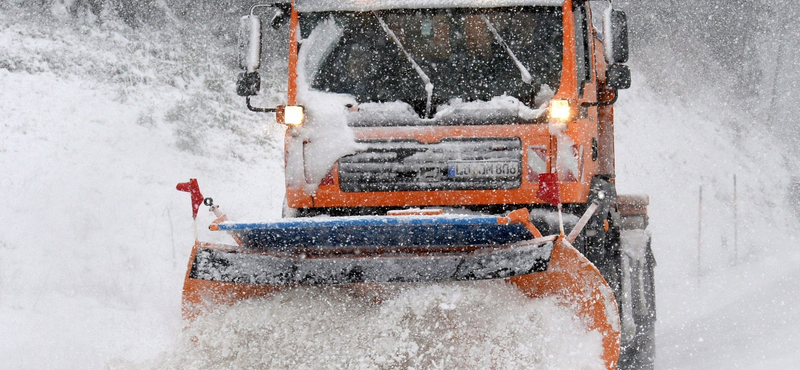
<point>526,76</point>
<point>417,68</point>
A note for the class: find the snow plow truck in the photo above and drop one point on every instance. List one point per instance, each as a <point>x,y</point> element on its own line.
<point>455,140</point>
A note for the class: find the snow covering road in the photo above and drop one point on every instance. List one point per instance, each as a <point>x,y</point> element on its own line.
<point>756,330</point>
<point>94,239</point>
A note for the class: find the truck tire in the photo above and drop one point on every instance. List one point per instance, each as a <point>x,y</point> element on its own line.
<point>637,304</point>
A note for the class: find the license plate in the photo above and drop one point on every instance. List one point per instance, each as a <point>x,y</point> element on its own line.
<point>482,169</point>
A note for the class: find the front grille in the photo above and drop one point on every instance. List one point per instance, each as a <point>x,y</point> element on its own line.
<point>451,164</point>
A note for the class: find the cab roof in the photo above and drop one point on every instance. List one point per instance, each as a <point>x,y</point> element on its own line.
<point>370,5</point>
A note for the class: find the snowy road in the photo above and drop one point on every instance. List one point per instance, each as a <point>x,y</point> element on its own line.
<point>756,330</point>
<point>94,238</point>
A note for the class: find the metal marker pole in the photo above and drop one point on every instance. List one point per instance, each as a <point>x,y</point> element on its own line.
<point>699,231</point>
<point>735,224</point>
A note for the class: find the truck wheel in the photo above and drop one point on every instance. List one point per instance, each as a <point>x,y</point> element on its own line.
<point>637,306</point>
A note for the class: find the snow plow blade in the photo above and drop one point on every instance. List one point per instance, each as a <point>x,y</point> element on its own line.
<point>578,283</point>
<point>395,249</point>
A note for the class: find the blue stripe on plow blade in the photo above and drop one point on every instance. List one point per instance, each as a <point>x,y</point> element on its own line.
<point>377,232</point>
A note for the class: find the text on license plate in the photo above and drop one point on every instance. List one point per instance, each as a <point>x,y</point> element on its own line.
<point>483,169</point>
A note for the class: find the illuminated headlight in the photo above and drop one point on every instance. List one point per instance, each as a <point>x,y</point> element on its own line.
<point>291,115</point>
<point>560,110</point>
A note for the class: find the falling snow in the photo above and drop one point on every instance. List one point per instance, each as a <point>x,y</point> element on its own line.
<point>99,121</point>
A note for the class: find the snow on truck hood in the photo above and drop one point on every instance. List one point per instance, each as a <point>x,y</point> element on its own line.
<point>369,5</point>
<point>499,110</point>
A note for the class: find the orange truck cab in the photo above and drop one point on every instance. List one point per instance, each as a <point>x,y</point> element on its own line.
<point>451,106</point>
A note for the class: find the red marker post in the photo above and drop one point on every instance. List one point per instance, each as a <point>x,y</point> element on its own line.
<point>549,193</point>
<point>193,188</point>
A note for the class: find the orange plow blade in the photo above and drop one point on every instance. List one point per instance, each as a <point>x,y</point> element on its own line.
<point>418,248</point>
<point>199,294</point>
<point>571,277</point>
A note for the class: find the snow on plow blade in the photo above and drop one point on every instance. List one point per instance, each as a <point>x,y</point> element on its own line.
<point>389,249</point>
<point>372,249</point>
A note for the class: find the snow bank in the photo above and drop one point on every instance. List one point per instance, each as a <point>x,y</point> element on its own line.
<point>669,148</point>
<point>95,238</point>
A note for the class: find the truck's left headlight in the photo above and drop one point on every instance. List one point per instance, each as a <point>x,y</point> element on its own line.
<point>291,115</point>
<point>560,110</point>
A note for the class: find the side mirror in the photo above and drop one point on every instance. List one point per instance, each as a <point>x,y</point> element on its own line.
<point>248,84</point>
<point>250,43</point>
<point>618,77</point>
<point>616,31</point>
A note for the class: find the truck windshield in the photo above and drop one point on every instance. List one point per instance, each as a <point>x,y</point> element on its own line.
<point>469,55</point>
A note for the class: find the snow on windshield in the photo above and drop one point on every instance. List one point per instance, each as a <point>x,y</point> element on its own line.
<point>499,110</point>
